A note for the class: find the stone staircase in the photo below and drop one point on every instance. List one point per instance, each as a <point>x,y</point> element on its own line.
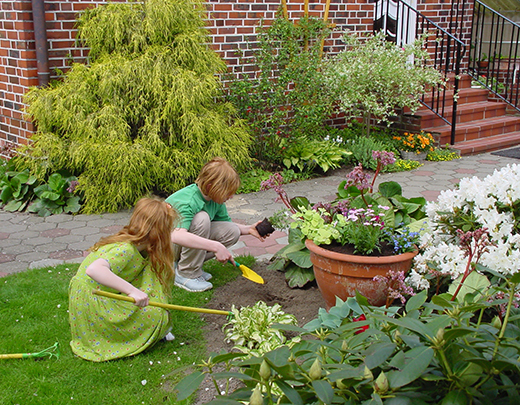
<point>482,125</point>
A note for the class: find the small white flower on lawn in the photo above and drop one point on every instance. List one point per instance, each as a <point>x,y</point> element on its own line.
<point>59,305</point>
<point>151,362</point>
<point>144,382</point>
<point>178,359</point>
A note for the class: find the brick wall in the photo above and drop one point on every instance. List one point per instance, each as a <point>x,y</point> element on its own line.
<point>232,25</point>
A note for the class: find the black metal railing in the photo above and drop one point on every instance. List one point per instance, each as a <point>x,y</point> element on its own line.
<point>495,53</point>
<point>403,24</point>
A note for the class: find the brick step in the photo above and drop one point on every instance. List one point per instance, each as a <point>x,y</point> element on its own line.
<point>481,129</point>
<point>488,144</point>
<point>465,113</point>
<point>466,95</point>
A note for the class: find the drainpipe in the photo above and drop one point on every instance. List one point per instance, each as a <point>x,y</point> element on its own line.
<point>40,39</point>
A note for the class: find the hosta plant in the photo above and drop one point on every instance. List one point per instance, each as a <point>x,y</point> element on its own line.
<point>251,328</point>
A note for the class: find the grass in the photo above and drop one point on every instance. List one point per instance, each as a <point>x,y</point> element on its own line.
<point>33,313</point>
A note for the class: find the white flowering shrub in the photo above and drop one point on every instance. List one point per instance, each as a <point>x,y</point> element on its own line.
<point>492,203</point>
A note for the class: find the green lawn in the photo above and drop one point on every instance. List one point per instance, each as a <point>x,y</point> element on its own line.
<point>33,316</point>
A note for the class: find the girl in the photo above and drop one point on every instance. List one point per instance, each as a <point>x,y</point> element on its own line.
<point>137,261</point>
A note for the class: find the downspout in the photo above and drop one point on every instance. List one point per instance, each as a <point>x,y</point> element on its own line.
<point>40,39</point>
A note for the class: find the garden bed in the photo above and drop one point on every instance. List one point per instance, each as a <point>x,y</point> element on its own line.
<point>302,303</point>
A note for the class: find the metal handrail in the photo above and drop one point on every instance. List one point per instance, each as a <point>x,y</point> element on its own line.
<point>492,35</point>
<point>445,49</point>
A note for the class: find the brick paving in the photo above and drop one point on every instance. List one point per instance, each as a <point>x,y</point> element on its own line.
<point>28,241</point>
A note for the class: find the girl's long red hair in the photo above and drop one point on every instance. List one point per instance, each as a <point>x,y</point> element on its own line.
<point>150,226</point>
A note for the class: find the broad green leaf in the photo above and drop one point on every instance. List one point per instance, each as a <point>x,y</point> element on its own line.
<point>188,385</point>
<point>456,397</point>
<point>290,392</point>
<point>323,390</point>
<point>417,361</point>
<point>297,202</point>
<point>50,195</point>
<point>413,325</point>
<point>14,205</point>
<point>22,177</point>
<point>72,205</point>
<point>378,353</point>
<point>515,279</point>
<point>457,332</point>
<point>390,189</point>
<point>301,258</point>
<point>475,282</point>
<point>298,277</point>
<point>416,301</point>
<point>56,181</point>
<point>7,194</point>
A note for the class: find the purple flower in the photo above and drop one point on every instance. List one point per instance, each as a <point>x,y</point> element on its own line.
<point>72,186</point>
<point>358,178</point>
<point>386,158</point>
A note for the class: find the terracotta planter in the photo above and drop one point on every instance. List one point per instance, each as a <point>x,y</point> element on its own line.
<point>339,274</point>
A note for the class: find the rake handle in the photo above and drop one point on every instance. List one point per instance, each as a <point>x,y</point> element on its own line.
<point>161,305</point>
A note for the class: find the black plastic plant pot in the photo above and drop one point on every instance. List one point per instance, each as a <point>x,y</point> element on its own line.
<point>265,228</point>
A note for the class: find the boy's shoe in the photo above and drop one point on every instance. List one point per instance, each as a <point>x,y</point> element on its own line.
<point>192,284</point>
<point>207,276</point>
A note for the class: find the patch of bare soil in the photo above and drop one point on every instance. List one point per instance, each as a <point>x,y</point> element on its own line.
<point>302,303</point>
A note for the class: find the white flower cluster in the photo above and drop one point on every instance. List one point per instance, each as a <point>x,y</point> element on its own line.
<point>489,203</point>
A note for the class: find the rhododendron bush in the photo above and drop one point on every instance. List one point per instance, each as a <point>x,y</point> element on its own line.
<point>491,204</point>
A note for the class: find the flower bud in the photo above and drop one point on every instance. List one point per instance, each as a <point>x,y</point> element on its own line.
<point>315,371</point>
<point>438,340</point>
<point>367,374</point>
<point>496,322</point>
<point>265,371</point>
<point>381,383</point>
<point>256,397</point>
<point>397,337</point>
<point>340,384</point>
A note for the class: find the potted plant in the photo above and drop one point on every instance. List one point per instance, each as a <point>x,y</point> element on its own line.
<point>360,235</point>
<point>415,145</point>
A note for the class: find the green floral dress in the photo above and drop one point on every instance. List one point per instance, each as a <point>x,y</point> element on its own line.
<point>104,328</point>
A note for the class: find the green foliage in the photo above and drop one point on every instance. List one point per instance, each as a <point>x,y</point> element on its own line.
<point>16,187</point>
<point>21,190</point>
<point>373,77</point>
<point>56,196</point>
<point>251,328</point>
<point>143,116</point>
<point>430,352</point>
<point>362,148</point>
<point>442,154</point>
<point>250,180</point>
<point>402,210</point>
<point>307,153</point>
<point>295,260</point>
<point>287,99</point>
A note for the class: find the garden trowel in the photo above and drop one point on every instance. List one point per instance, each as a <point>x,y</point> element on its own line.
<point>248,273</point>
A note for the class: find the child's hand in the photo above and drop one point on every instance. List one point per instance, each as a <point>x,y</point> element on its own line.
<point>253,231</point>
<point>222,254</point>
<point>140,297</point>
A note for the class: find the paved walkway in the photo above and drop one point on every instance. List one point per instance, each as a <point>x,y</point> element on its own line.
<point>29,241</point>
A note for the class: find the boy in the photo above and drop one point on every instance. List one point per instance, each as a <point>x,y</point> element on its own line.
<point>206,229</point>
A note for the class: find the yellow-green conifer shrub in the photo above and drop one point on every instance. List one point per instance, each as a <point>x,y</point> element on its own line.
<point>144,115</point>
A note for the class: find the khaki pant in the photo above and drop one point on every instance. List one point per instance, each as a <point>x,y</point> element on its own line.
<point>190,261</point>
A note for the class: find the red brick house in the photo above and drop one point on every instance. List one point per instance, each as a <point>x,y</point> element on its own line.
<point>37,37</point>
